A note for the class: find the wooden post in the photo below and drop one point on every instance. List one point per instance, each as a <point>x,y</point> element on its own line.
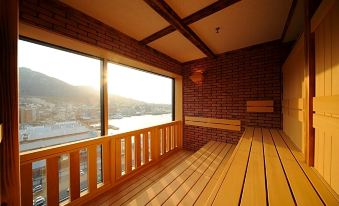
<point>170,137</point>
<point>117,158</point>
<point>104,99</point>
<point>309,78</point>
<point>52,165</point>
<point>74,175</point>
<point>155,137</point>
<point>108,161</point>
<point>146,147</point>
<point>128,154</point>
<point>180,134</point>
<point>137,150</point>
<point>9,145</point>
<point>26,185</point>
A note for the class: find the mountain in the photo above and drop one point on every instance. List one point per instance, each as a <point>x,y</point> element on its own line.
<point>36,84</point>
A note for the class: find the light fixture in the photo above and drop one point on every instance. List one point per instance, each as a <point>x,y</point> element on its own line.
<point>197,76</point>
<point>217,30</point>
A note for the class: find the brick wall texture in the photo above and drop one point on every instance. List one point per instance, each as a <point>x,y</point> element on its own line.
<point>60,18</point>
<point>252,73</point>
<point>231,79</point>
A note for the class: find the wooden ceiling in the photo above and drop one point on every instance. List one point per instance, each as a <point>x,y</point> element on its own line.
<point>193,29</point>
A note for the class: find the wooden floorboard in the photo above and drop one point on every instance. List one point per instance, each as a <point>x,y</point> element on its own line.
<point>149,176</point>
<point>254,190</point>
<point>192,196</point>
<point>278,190</point>
<point>186,186</point>
<point>303,192</point>
<point>162,183</point>
<point>326,195</point>
<point>231,188</point>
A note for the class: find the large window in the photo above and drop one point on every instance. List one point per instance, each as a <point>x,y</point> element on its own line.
<point>60,101</point>
<point>59,96</point>
<point>137,99</point>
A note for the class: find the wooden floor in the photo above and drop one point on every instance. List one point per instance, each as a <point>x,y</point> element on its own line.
<point>183,176</point>
<point>184,184</point>
<point>128,190</point>
<point>264,168</point>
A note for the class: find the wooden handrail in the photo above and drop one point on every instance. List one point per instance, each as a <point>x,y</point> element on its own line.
<point>42,153</point>
<point>122,156</point>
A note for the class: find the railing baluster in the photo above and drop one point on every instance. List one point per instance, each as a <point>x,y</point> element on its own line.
<point>170,137</point>
<point>26,184</point>
<point>176,135</point>
<point>92,168</point>
<point>74,175</point>
<point>137,150</point>
<point>117,158</point>
<point>146,146</point>
<point>179,135</point>
<point>128,154</point>
<point>164,136</point>
<point>108,167</point>
<point>52,165</point>
<point>150,144</point>
<point>166,140</point>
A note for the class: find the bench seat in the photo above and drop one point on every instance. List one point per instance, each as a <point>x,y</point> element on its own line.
<point>267,169</point>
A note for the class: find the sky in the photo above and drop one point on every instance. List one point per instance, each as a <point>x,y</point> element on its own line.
<point>79,70</point>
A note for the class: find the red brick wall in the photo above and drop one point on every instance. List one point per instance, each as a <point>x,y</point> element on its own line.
<point>252,73</point>
<point>60,18</point>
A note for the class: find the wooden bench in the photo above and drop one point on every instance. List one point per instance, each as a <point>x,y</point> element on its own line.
<point>184,184</point>
<point>264,168</point>
<point>267,169</point>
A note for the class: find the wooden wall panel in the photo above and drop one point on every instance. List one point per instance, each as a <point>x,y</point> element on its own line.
<point>294,95</point>
<point>326,117</point>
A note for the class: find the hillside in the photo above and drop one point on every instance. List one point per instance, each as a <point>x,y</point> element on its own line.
<point>35,84</point>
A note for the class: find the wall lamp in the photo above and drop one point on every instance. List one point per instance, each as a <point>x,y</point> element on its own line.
<point>197,76</point>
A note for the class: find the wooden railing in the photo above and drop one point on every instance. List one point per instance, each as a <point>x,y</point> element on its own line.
<point>110,161</point>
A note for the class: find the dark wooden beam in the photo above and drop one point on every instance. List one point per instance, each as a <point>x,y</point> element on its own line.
<point>169,15</point>
<point>211,9</point>
<point>158,35</point>
<point>289,18</point>
<point>9,142</point>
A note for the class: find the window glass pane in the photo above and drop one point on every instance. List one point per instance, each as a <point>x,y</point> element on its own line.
<point>64,190</point>
<point>59,96</point>
<point>39,183</point>
<point>83,170</point>
<point>137,99</point>
<point>99,164</point>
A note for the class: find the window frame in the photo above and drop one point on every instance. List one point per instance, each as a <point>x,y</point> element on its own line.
<point>42,43</point>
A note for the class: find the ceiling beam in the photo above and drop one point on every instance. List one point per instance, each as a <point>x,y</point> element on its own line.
<point>211,9</point>
<point>169,15</point>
